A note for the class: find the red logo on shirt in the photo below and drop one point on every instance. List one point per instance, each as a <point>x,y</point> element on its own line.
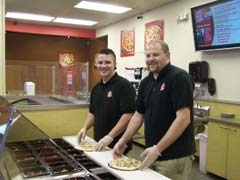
<point>162,87</point>
<point>109,94</point>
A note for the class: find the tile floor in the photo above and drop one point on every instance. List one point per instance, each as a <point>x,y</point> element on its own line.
<point>195,174</point>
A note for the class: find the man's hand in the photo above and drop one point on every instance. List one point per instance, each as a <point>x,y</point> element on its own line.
<point>149,155</point>
<point>102,143</point>
<point>119,148</point>
<point>81,135</point>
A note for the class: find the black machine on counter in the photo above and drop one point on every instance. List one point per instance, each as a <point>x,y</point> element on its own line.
<point>199,72</point>
<point>135,75</point>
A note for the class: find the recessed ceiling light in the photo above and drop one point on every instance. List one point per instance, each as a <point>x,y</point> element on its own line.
<point>28,16</point>
<point>102,7</point>
<point>75,21</point>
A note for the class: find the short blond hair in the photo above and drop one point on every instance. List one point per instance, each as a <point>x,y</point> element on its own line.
<point>163,44</point>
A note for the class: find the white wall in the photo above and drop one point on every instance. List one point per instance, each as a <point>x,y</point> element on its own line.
<point>223,65</point>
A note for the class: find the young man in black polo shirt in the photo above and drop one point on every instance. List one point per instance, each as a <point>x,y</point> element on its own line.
<point>112,103</point>
<point>165,105</point>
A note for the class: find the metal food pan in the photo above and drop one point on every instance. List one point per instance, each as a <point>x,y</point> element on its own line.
<point>107,176</point>
<point>64,169</point>
<point>25,158</point>
<point>29,164</point>
<point>34,171</point>
<point>86,177</point>
<point>52,158</point>
<point>60,141</point>
<point>17,146</point>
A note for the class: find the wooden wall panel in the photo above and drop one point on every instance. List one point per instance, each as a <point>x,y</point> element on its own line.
<point>41,75</point>
<point>30,57</point>
<point>29,47</point>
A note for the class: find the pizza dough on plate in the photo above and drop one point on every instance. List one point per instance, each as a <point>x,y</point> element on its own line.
<point>86,146</point>
<point>124,163</point>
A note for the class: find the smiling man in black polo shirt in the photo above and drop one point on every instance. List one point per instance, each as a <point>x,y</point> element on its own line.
<point>165,105</point>
<point>112,103</point>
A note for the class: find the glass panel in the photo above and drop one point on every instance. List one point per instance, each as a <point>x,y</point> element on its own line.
<point>71,81</point>
<point>50,79</point>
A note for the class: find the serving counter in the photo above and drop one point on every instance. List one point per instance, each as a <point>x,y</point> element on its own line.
<point>56,115</point>
<point>46,102</point>
<point>104,157</point>
<point>29,153</point>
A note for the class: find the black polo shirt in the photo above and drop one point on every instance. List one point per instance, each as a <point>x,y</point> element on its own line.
<point>108,102</point>
<point>159,100</point>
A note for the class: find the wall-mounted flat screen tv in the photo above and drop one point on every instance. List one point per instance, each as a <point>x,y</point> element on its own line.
<point>216,25</point>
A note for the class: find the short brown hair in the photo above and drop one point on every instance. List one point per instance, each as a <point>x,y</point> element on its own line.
<point>108,51</point>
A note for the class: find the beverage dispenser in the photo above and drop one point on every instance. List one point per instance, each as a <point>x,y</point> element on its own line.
<point>135,75</point>
<point>138,73</point>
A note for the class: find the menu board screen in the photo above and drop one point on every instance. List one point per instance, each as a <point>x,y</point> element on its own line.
<point>216,25</point>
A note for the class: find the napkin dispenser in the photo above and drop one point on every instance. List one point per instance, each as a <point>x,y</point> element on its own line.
<point>29,88</point>
<point>198,70</point>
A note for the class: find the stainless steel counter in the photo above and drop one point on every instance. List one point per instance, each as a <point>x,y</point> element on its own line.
<point>10,170</point>
<point>227,121</point>
<point>45,102</point>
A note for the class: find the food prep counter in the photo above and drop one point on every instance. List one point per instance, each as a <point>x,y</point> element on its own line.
<point>51,159</point>
<point>58,159</point>
<point>104,157</point>
<point>29,154</point>
<point>27,160</point>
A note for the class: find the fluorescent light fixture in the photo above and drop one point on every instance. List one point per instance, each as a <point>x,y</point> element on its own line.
<point>102,7</point>
<point>75,21</point>
<point>27,16</point>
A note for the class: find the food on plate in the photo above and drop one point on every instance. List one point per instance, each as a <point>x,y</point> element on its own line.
<point>125,163</point>
<point>86,146</point>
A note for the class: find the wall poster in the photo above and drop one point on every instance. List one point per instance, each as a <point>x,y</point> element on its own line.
<point>66,59</point>
<point>154,30</point>
<point>127,42</point>
<point>67,62</point>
